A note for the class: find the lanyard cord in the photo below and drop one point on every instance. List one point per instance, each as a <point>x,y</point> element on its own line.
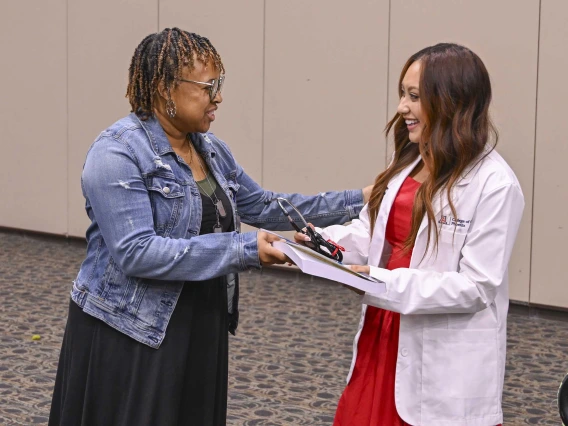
<point>217,204</point>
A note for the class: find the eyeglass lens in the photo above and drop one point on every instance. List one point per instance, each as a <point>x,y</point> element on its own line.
<point>216,87</point>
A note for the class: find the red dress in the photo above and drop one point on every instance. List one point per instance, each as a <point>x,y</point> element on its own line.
<point>368,399</point>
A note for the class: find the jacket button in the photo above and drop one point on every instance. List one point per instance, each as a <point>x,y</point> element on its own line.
<point>166,190</point>
<point>404,352</point>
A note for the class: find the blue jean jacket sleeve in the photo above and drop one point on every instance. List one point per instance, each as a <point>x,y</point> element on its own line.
<point>257,208</point>
<point>112,182</point>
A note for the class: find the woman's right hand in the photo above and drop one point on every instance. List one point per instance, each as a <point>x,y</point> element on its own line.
<point>267,254</point>
<point>302,238</point>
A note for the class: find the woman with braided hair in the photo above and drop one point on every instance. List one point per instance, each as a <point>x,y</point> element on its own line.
<point>164,250</point>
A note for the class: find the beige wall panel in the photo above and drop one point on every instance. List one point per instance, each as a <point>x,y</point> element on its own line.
<point>549,282</point>
<point>325,94</point>
<point>33,116</point>
<point>509,51</point>
<point>236,30</point>
<point>102,39</point>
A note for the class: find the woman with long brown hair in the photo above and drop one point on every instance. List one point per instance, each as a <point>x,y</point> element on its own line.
<point>438,230</point>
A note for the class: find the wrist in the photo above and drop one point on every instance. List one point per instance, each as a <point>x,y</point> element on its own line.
<point>249,254</point>
<point>367,193</point>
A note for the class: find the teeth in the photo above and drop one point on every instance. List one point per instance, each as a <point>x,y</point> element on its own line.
<point>410,122</point>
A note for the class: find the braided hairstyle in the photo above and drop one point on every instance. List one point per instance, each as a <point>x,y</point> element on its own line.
<point>159,59</point>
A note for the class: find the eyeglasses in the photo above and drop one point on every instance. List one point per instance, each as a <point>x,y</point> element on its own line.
<point>214,87</point>
<point>317,243</point>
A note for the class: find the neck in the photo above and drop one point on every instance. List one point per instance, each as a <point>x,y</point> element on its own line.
<point>420,172</point>
<point>176,137</point>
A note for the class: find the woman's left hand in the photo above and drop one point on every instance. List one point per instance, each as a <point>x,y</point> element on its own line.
<point>364,269</point>
<point>302,238</point>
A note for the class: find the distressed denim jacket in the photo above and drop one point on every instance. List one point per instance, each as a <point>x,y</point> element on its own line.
<point>145,211</point>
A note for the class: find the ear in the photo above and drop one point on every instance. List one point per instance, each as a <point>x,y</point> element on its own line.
<point>163,91</point>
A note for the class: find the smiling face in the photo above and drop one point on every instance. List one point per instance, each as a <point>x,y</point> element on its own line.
<point>409,106</point>
<point>195,111</point>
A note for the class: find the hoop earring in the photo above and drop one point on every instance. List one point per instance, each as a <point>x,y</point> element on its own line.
<point>171,108</point>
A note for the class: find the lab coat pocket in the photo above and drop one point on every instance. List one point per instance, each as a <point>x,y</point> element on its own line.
<point>460,374</point>
<point>456,239</point>
<point>449,249</point>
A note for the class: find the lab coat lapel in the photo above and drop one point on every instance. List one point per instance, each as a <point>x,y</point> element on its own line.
<point>378,238</point>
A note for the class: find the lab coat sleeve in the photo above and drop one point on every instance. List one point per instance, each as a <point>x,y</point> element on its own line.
<point>482,267</point>
<point>354,238</point>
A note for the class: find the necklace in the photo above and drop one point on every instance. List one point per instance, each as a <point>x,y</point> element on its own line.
<point>190,153</point>
<point>217,204</point>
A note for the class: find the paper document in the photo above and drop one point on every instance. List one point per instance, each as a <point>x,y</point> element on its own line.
<point>313,263</point>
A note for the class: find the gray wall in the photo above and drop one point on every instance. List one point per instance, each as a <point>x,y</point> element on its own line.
<point>305,80</point>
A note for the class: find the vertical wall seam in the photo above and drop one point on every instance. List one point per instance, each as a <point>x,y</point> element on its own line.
<point>534,151</point>
<point>262,138</point>
<point>388,81</point>
<point>67,117</point>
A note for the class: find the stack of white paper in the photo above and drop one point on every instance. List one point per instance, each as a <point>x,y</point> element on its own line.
<point>313,263</point>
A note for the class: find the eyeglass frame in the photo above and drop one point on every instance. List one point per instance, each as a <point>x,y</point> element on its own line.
<point>212,92</point>
<point>316,240</point>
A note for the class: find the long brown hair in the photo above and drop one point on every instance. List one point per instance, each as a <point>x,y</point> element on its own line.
<point>455,93</point>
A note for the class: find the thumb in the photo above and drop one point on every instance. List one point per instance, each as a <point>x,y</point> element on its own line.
<point>271,238</point>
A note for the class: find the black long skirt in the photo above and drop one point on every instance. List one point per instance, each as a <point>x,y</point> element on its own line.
<point>106,378</point>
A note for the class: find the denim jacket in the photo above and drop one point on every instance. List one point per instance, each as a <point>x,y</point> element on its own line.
<point>145,211</point>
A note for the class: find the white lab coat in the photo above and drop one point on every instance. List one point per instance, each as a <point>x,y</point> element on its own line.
<point>452,342</point>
